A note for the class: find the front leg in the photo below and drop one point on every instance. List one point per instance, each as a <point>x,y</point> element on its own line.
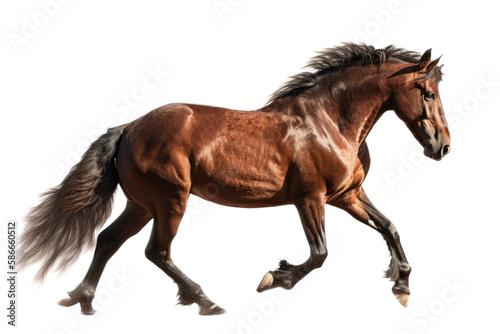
<point>312,215</point>
<point>360,207</point>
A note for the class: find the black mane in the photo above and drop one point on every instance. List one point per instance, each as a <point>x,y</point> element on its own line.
<point>344,56</point>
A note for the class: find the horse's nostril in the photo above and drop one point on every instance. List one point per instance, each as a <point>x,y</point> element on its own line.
<point>445,150</point>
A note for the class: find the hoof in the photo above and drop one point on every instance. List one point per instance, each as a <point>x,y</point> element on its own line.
<point>212,310</point>
<point>402,298</point>
<point>266,283</point>
<point>86,307</point>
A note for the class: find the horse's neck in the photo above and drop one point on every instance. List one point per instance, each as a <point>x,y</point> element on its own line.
<point>353,100</point>
<point>355,108</point>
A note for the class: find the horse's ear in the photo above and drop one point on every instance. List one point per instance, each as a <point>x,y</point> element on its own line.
<point>425,60</point>
<point>433,64</point>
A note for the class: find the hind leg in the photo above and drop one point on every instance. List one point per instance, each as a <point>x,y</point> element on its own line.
<point>165,226</point>
<point>129,223</point>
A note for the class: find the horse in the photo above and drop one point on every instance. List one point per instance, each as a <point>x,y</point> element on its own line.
<point>306,146</point>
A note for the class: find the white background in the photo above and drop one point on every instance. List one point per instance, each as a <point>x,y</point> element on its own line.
<point>64,83</point>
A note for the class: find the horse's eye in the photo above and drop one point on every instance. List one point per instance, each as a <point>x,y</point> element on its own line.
<point>429,96</point>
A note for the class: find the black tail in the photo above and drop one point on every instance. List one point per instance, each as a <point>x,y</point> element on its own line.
<point>64,223</point>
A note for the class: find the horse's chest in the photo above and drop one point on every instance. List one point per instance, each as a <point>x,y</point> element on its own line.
<point>344,173</point>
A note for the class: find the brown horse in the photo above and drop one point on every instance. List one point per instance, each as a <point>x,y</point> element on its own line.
<point>306,147</point>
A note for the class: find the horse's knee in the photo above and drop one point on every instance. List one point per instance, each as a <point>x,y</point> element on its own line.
<point>156,255</point>
<point>320,257</point>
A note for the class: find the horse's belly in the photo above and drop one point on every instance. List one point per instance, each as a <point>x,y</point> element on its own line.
<point>245,186</point>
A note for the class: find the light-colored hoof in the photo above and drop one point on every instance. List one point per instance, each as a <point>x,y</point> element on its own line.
<point>402,298</point>
<point>212,310</point>
<point>266,282</point>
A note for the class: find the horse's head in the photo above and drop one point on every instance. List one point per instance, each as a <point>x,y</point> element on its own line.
<point>418,104</point>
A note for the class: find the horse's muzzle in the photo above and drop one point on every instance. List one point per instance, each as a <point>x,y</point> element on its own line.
<point>437,154</point>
